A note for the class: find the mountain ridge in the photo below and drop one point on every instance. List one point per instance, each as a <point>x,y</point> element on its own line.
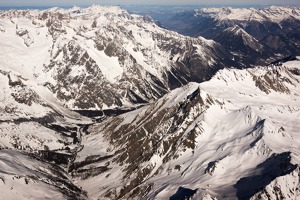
<point>110,46</point>
<point>242,109</point>
<point>202,127</point>
<point>271,26</point>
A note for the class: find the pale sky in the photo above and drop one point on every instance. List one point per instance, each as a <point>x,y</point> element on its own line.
<point>145,2</point>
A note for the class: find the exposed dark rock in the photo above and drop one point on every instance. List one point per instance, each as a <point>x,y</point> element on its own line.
<point>279,62</point>
<point>275,166</point>
<point>89,160</point>
<point>183,194</point>
<point>57,158</point>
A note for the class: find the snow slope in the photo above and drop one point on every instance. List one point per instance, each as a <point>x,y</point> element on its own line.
<point>21,97</point>
<point>23,177</point>
<point>210,140</point>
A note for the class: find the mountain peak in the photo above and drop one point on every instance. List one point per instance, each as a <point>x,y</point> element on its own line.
<point>108,50</point>
<point>237,39</point>
<point>273,13</point>
<point>100,8</point>
<point>237,30</point>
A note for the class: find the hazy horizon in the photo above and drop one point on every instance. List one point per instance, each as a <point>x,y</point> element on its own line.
<point>139,7</point>
<point>69,3</point>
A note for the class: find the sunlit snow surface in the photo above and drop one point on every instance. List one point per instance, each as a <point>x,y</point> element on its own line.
<point>242,119</point>
<point>238,133</point>
<point>239,126</point>
<point>103,44</point>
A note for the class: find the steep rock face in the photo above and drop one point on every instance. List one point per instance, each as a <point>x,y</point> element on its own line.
<point>283,187</point>
<point>277,42</point>
<point>206,141</point>
<point>103,57</point>
<point>247,39</point>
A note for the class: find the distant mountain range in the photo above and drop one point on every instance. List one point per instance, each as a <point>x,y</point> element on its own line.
<point>275,28</point>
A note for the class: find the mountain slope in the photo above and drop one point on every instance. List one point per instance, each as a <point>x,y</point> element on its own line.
<point>234,136</point>
<point>212,139</point>
<point>276,28</point>
<point>22,98</point>
<point>103,57</point>
<point>23,177</point>
<point>241,44</point>
<point>38,139</point>
<point>257,22</point>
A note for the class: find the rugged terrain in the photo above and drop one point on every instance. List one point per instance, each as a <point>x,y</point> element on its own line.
<point>235,135</point>
<point>39,137</point>
<point>103,57</point>
<point>275,28</point>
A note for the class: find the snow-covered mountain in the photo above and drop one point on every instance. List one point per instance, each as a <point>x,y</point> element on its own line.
<point>271,14</point>
<point>103,57</point>
<point>38,138</point>
<point>23,98</point>
<point>235,136</point>
<point>276,28</point>
<point>259,23</point>
<point>24,177</point>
